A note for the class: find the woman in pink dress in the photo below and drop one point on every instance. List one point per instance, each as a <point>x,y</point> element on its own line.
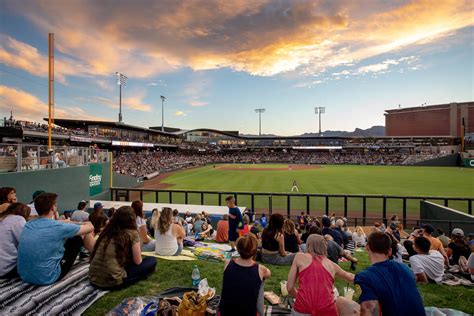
<point>316,275</point>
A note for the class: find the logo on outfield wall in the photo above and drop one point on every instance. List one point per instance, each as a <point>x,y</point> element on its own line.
<point>469,162</point>
<point>95,179</point>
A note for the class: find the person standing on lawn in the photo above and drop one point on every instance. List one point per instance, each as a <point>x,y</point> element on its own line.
<point>235,221</point>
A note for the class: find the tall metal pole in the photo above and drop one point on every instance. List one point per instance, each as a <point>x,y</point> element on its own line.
<point>50,88</point>
<point>120,103</point>
<point>121,81</point>
<point>319,110</point>
<point>259,111</point>
<point>163,98</point>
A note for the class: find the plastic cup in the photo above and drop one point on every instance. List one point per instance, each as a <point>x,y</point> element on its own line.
<point>348,293</point>
<point>284,291</point>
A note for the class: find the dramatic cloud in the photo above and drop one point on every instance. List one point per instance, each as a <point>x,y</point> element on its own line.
<point>145,38</point>
<point>28,107</point>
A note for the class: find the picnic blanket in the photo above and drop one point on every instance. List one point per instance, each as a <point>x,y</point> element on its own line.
<point>72,295</point>
<point>186,255</point>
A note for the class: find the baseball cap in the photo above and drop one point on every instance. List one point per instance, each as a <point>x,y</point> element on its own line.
<point>429,229</point>
<point>458,232</point>
<point>98,205</point>
<point>38,193</point>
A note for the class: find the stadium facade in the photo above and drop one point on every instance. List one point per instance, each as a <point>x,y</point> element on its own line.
<point>433,120</point>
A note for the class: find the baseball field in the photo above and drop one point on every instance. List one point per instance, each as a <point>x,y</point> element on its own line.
<point>333,179</point>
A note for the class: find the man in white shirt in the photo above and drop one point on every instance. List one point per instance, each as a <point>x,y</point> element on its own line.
<point>426,265</point>
<point>33,212</point>
<point>80,215</point>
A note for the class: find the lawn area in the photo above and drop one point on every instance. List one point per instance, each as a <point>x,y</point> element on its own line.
<point>171,273</point>
<point>340,179</point>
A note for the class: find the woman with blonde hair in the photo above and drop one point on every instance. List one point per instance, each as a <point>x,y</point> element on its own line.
<point>316,275</point>
<point>292,240</point>
<point>169,235</point>
<point>359,237</point>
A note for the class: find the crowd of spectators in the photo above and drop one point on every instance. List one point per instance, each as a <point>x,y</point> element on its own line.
<point>142,164</point>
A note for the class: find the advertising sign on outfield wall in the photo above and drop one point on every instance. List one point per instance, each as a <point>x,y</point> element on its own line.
<point>95,179</point>
<point>469,162</point>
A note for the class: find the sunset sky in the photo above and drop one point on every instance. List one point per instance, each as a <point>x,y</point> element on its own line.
<point>216,61</point>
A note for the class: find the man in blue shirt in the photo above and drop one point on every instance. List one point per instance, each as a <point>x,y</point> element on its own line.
<point>388,287</point>
<point>327,230</point>
<point>236,222</point>
<point>48,248</point>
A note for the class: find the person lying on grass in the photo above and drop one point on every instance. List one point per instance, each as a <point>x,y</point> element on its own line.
<point>316,274</point>
<point>242,285</point>
<point>116,260</point>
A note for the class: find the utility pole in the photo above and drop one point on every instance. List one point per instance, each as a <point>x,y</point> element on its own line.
<point>259,111</point>
<point>50,88</point>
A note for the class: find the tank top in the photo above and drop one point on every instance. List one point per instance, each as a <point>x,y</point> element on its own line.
<point>166,244</point>
<point>291,243</point>
<point>315,293</point>
<point>270,243</point>
<point>240,289</point>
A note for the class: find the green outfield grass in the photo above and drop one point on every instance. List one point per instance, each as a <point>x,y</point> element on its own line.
<point>340,179</point>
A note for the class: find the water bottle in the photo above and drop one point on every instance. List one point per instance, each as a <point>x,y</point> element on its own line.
<point>196,276</point>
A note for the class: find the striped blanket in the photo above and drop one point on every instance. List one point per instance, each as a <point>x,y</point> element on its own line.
<point>72,295</point>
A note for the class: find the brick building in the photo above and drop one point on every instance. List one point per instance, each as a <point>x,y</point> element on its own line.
<point>432,120</point>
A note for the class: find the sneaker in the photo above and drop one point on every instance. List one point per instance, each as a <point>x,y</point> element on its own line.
<point>232,250</point>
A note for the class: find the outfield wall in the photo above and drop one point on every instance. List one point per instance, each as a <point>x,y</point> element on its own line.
<point>72,184</point>
<point>446,161</point>
<point>445,218</point>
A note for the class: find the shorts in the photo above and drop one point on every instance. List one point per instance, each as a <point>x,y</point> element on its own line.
<point>233,235</point>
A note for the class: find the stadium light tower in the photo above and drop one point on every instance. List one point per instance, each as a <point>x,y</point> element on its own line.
<point>121,81</point>
<point>319,110</point>
<point>259,111</point>
<point>163,99</point>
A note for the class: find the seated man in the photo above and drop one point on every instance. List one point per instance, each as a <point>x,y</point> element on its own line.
<point>80,215</point>
<point>426,265</point>
<point>48,248</point>
<point>327,230</point>
<point>388,287</point>
<point>335,252</point>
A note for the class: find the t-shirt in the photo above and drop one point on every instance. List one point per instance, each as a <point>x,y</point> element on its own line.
<point>80,216</point>
<point>459,251</point>
<point>470,262</point>
<point>42,248</point>
<point>444,240</point>
<point>336,235</point>
<point>334,251</point>
<point>33,209</point>
<point>10,231</point>
<point>263,221</point>
<point>140,221</point>
<point>197,227</point>
<point>222,231</point>
<point>432,265</point>
<point>393,285</point>
<point>238,221</point>
<point>435,243</point>
<point>105,270</point>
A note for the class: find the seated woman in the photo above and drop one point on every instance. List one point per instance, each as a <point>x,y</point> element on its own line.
<point>243,281</point>
<point>273,243</point>
<point>292,240</point>
<point>458,248</point>
<point>223,229</point>
<point>207,231</point>
<point>116,260</point>
<point>12,222</point>
<point>169,235</point>
<point>359,237</point>
<point>316,274</point>
<point>148,244</point>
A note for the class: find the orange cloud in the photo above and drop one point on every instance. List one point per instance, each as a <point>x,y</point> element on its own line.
<point>26,106</point>
<point>145,38</point>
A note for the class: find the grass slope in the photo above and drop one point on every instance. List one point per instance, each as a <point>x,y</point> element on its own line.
<point>343,179</point>
<point>170,273</point>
